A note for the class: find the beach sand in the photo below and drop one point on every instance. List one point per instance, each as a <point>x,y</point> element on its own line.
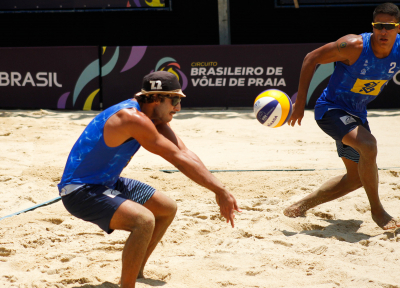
<point>336,245</point>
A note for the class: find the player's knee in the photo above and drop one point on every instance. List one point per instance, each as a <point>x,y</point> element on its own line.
<point>356,184</point>
<point>169,207</point>
<point>369,148</point>
<point>170,210</point>
<point>146,224</point>
<point>173,208</point>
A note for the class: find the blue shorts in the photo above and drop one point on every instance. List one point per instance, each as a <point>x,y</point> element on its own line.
<point>337,123</point>
<point>98,203</point>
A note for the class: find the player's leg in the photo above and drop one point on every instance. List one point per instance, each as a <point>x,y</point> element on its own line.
<point>365,144</point>
<point>332,189</point>
<point>161,206</point>
<point>110,209</point>
<point>336,123</point>
<point>164,210</point>
<point>138,220</point>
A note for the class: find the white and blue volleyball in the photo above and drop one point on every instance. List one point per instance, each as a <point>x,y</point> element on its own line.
<point>273,108</point>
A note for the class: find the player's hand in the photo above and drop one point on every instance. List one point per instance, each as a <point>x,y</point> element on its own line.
<point>297,115</point>
<point>227,206</point>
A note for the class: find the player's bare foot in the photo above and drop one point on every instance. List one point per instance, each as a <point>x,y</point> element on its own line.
<point>294,211</point>
<point>138,277</point>
<point>385,221</point>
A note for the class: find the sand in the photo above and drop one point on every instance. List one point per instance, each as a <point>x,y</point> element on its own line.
<point>336,245</point>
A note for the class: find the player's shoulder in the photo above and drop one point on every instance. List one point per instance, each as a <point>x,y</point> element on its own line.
<point>350,41</point>
<point>132,116</point>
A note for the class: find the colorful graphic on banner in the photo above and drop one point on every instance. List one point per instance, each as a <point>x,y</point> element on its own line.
<point>74,4</point>
<point>71,80</point>
<point>211,76</point>
<point>170,65</point>
<point>322,72</point>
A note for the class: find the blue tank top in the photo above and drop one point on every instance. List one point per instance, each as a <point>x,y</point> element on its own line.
<point>91,161</point>
<point>352,87</point>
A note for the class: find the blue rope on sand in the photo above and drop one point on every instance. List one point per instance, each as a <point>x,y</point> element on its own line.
<point>276,170</point>
<point>214,171</point>
<point>34,207</point>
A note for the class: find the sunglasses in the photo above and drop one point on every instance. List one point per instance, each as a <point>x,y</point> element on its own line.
<point>175,100</point>
<point>387,26</point>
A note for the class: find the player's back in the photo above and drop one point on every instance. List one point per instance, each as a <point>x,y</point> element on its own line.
<point>91,161</point>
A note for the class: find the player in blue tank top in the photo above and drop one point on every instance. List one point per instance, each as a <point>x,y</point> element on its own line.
<point>91,186</point>
<point>364,65</point>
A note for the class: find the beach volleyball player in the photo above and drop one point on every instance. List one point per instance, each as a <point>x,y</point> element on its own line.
<point>91,187</point>
<point>364,64</point>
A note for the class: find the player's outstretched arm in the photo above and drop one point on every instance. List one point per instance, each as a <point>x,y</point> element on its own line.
<point>346,49</point>
<point>172,149</point>
<point>224,198</point>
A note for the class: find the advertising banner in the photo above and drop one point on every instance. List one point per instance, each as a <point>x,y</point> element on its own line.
<point>78,4</point>
<point>223,76</point>
<point>50,78</point>
<point>210,76</point>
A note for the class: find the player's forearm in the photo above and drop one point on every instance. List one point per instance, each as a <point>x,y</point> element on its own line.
<point>190,165</point>
<point>306,74</point>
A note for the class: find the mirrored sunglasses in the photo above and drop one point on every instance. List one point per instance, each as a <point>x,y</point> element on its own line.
<point>175,100</point>
<point>387,26</point>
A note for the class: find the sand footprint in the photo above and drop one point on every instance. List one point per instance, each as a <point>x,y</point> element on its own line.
<point>11,278</point>
<point>5,178</point>
<point>67,258</point>
<point>248,208</point>
<point>226,283</point>
<point>318,250</point>
<point>4,252</point>
<point>311,226</point>
<point>253,273</point>
<point>196,215</point>
<point>204,232</point>
<point>324,215</point>
<point>280,242</point>
<point>56,221</point>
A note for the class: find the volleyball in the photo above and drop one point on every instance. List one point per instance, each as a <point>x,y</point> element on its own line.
<point>272,108</point>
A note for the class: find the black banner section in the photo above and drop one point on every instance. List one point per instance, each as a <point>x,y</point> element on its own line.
<point>50,78</point>
<point>78,4</point>
<point>328,3</point>
<point>211,76</point>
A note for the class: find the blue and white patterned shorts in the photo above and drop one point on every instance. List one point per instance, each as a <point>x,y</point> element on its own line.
<point>337,123</point>
<point>98,203</point>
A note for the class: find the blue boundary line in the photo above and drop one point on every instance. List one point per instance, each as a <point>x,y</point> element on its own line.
<point>34,207</point>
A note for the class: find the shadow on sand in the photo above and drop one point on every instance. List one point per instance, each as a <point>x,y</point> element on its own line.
<point>342,230</point>
<point>148,281</point>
